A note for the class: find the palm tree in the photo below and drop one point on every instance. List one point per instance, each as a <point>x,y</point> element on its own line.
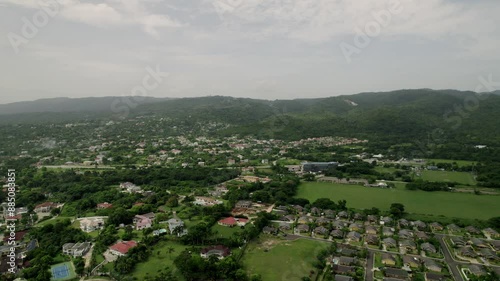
<point>170,250</point>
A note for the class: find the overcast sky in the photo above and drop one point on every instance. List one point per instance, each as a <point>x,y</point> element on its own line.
<point>272,49</point>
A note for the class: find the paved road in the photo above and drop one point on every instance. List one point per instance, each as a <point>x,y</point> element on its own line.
<point>370,260</point>
<point>448,257</point>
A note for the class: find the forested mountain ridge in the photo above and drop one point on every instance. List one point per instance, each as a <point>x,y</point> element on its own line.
<point>66,105</point>
<point>403,115</point>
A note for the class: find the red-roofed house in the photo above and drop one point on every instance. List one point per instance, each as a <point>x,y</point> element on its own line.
<point>104,205</point>
<point>232,221</point>
<point>122,248</point>
<point>19,236</point>
<point>45,207</point>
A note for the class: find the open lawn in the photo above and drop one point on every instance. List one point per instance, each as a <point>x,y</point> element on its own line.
<point>460,163</point>
<point>389,170</point>
<point>284,260</point>
<point>159,261</point>
<point>53,220</point>
<point>445,176</point>
<point>225,231</point>
<point>450,204</point>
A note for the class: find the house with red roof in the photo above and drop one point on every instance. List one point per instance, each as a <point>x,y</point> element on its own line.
<point>232,221</point>
<point>19,236</point>
<point>121,248</point>
<point>45,207</point>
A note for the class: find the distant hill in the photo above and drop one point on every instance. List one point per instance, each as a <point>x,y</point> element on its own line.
<point>60,105</point>
<point>403,115</point>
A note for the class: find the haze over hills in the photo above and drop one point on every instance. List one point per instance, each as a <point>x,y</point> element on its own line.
<point>402,114</point>
<point>90,104</point>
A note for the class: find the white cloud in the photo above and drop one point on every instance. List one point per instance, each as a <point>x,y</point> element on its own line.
<point>106,13</point>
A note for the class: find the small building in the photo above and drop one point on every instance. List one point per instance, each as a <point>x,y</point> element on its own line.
<point>370,229</point>
<point>206,201</point>
<point>177,225</point>
<point>354,236</point>
<point>245,204</point>
<point>396,273</point>
<point>142,222</point>
<point>428,247</point>
<point>432,276</point>
<point>45,207</point>
<point>269,230</point>
<point>337,233</point>
<point>390,242</point>
<point>219,251</point>
<point>76,249</point>
<point>388,259</point>
<point>347,261</point>
<point>411,261</point>
<point>387,231</point>
<point>104,205</point>
<point>432,265</point>
<point>302,228</point>
<point>91,224</point>
<point>435,226</point>
<point>372,239</point>
<point>477,270</point>
<point>320,230</point>
<point>472,230</point>
<point>492,233</point>
<point>408,245</point>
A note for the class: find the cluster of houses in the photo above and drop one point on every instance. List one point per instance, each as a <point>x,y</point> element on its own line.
<point>408,245</point>
<point>474,249</point>
<point>346,261</point>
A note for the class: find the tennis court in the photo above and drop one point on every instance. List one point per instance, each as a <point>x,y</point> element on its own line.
<point>63,271</point>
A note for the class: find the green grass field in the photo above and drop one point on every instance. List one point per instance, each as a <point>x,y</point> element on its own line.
<point>460,163</point>
<point>458,205</point>
<point>389,170</point>
<point>284,261</point>
<point>460,177</point>
<point>225,231</point>
<point>53,221</point>
<point>159,261</point>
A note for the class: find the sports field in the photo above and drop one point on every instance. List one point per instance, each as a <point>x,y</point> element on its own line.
<point>283,260</point>
<point>445,176</point>
<point>450,204</point>
<point>63,271</point>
